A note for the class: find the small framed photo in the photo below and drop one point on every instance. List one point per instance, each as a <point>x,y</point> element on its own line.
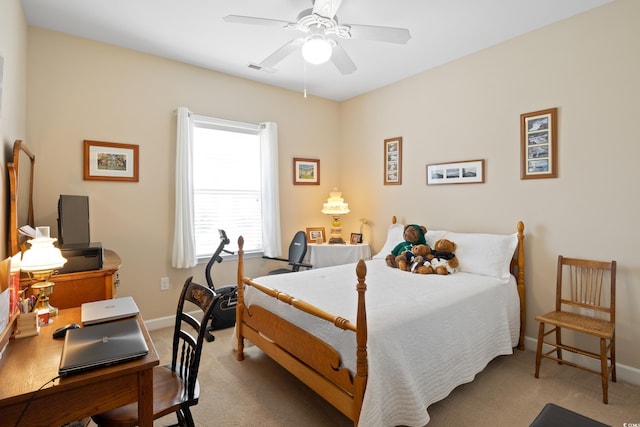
<point>316,235</point>
<point>393,161</point>
<point>539,144</point>
<point>306,171</point>
<point>356,238</point>
<point>110,161</point>
<point>464,172</point>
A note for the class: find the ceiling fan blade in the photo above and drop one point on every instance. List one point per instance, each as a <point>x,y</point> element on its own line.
<point>281,53</point>
<point>252,20</point>
<point>342,61</point>
<point>326,8</point>
<point>382,34</point>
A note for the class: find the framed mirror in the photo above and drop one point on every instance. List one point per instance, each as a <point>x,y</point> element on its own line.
<point>21,174</point>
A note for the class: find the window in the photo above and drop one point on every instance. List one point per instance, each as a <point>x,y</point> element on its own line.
<point>227,184</point>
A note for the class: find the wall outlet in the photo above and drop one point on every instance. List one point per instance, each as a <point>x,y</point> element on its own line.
<point>164,283</point>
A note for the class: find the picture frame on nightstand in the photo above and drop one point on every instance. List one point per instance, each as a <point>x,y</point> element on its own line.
<point>316,235</point>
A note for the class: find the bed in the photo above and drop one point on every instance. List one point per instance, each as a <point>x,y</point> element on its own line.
<point>384,361</point>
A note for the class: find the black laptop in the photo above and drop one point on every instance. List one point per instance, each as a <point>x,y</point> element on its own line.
<point>102,345</point>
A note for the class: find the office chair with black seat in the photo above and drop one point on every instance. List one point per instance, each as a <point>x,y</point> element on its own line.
<point>175,386</point>
<point>586,304</point>
<point>297,251</point>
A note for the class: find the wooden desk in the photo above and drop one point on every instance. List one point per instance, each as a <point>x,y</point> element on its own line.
<point>28,363</point>
<point>73,289</point>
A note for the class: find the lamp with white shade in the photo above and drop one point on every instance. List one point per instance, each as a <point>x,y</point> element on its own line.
<point>40,261</point>
<point>335,207</point>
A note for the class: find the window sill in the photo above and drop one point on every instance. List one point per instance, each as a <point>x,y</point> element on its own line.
<point>234,257</point>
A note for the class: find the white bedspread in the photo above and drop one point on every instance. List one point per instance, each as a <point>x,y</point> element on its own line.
<point>426,334</point>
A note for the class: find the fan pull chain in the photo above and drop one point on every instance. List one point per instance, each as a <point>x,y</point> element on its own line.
<point>305,78</point>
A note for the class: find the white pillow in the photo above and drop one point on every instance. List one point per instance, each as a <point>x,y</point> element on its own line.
<point>486,254</point>
<point>433,236</point>
<point>395,235</point>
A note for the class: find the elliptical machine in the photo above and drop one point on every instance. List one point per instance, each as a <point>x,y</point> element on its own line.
<point>224,312</point>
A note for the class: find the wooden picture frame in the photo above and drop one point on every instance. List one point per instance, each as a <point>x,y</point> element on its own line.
<point>464,172</point>
<point>110,161</point>
<point>306,171</point>
<point>315,233</point>
<point>539,144</point>
<point>356,238</point>
<point>393,161</point>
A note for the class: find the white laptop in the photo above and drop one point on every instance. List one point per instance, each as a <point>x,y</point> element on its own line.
<point>107,310</point>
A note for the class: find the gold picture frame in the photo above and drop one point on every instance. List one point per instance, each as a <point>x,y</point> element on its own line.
<point>316,233</point>
<point>110,161</point>
<point>539,144</point>
<point>393,161</point>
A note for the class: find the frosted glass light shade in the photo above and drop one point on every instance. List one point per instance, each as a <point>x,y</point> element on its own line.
<point>316,50</point>
<point>42,255</point>
<point>335,204</point>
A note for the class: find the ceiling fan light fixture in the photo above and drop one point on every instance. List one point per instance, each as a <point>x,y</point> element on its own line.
<point>316,50</point>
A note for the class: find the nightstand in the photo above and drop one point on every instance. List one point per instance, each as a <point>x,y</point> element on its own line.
<point>327,255</point>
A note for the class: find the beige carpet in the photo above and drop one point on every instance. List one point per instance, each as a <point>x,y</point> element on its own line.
<point>257,392</point>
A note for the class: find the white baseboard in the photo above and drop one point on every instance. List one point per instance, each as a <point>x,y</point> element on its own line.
<point>624,373</point>
<point>167,322</point>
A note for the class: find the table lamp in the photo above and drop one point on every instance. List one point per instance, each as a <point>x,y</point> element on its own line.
<point>335,207</point>
<point>40,261</point>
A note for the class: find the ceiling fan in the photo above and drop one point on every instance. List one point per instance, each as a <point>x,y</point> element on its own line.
<point>320,27</point>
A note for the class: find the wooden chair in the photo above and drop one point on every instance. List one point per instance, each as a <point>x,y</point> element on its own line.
<point>297,251</point>
<point>175,386</point>
<point>586,304</point>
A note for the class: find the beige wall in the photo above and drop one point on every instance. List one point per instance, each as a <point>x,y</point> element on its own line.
<point>589,68</point>
<point>586,66</point>
<point>13,89</point>
<point>80,89</point>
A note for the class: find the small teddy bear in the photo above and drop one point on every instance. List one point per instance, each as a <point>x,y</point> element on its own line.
<point>444,259</point>
<point>414,259</point>
<point>413,235</point>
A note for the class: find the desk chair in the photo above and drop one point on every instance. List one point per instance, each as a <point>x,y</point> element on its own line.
<point>586,304</point>
<point>297,251</point>
<point>175,386</point>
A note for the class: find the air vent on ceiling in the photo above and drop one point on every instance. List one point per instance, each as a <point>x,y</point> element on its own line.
<point>261,68</point>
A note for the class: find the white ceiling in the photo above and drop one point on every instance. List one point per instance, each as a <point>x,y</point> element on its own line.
<point>192,31</point>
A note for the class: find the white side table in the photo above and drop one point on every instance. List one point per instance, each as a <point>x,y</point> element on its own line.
<point>327,255</point>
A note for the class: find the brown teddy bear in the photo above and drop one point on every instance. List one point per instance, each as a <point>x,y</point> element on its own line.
<point>414,259</point>
<point>413,235</point>
<point>444,259</point>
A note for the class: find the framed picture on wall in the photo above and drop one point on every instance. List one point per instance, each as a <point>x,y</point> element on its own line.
<point>393,161</point>
<point>464,172</point>
<point>539,144</point>
<point>306,171</point>
<point>110,161</point>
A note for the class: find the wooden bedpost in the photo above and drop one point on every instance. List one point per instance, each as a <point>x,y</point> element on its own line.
<point>521,287</point>
<point>240,304</point>
<point>362,367</point>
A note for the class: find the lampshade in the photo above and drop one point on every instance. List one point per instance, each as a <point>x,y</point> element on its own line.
<point>316,49</point>
<point>335,204</point>
<point>335,207</point>
<point>42,255</point>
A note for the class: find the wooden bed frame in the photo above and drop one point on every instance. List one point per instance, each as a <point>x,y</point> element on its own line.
<point>310,359</point>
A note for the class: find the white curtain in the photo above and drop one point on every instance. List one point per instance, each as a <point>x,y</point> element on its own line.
<point>184,240</point>
<point>270,189</point>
